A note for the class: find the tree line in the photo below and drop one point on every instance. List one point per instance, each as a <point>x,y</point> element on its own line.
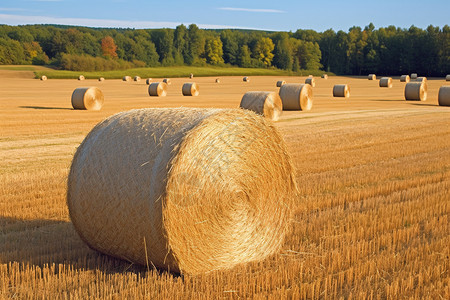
<point>359,51</point>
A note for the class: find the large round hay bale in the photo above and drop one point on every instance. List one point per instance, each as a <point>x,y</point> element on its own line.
<point>217,80</point>
<point>404,78</point>
<point>167,81</point>
<point>246,79</point>
<point>183,189</point>
<point>158,89</point>
<point>324,76</point>
<point>126,78</point>
<point>372,77</point>
<point>421,79</point>
<point>101,79</point>
<point>43,78</point>
<point>191,76</point>
<point>311,81</point>
<point>416,91</point>
<point>148,80</point>
<point>89,98</point>
<point>267,104</point>
<point>81,77</point>
<point>413,76</point>
<point>296,96</point>
<point>444,95</point>
<point>137,78</point>
<point>280,83</point>
<point>447,78</point>
<point>341,90</point>
<point>385,82</point>
<point>190,89</point>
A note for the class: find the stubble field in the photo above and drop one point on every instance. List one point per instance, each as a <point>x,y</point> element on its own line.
<point>371,221</point>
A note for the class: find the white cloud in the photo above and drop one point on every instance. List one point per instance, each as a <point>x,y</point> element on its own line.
<point>11,9</point>
<point>258,10</point>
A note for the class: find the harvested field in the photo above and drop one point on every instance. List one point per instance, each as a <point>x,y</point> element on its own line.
<point>371,219</point>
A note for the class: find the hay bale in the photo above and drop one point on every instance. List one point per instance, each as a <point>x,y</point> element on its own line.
<point>324,76</point>
<point>158,89</point>
<point>191,76</point>
<point>413,76</point>
<point>137,78</point>
<point>81,77</point>
<point>43,78</point>
<point>190,89</point>
<point>101,79</point>
<point>341,90</point>
<point>416,91</point>
<point>167,81</point>
<point>280,83</point>
<point>267,104</point>
<point>444,95</point>
<point>311,81</point>
<point>372,77</point>
<point>385,82</point>
<point>126,78</point>
<point>184,189</point>
<point>148,80</point>
<point>246,79</point>
<point>217,80</point>
<point>88,98</point>
<point>404,78</point>
<point>421,79</point>
<point>447,78</point>
<point>296,96</point>
<point>310,75</point>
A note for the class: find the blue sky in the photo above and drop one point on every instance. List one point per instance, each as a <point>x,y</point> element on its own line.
<point>267,15</point>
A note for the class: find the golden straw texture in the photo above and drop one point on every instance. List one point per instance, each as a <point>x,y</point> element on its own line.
<point>385,82</point>
<point>372,77</point>
<point>404,78</point>
<point>413,76</point>
<point>81,77</point>
<point>311,81</point>
<point>137,78</point>
<point>267,104</point>
<point>43,78</point>
<point>158,89</point>
<point>444,95</point>
<point>341,90</point>
<point>186,190</point>
<point>280,83</point>
<point>190,89</point>
<point>324,76</point>
<point>296,96</point>
<point>416,91</point>
<point>148,80</point>
<point>126,78</point>
<point>246,79</point>
<point>89,98</point>
<point>167,81</point>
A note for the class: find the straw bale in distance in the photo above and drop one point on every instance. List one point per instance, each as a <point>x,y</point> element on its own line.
<point>420,79</point>
<point>447,78</point>
<point>137,78</point>
<point>186,182</point>
<point>444,95</point>
<point>148,80</point>
<point>416,91</point>
<point>101,79</point>
<point>372,77</point>
<point>311,81</point>
<point>246,79</point>
<point>126,78</point>
<point>296,96</point>
<point>81,77</point>
<point>324,76</point>
<point>404,78</point>
<point>88,98</point>
<point>280,83</point>
<point>341,90</point>
<point>190,89</point>
<point>191,76</point>
<point>43,78</point>
<point>413,76</point>
<point>385,82</point>
<point>167,81</point>
<point>217,80</point>
<point>267,104</point>
<point>158,89</point>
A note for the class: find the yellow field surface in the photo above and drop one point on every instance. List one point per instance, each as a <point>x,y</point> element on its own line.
<point>372,220</point>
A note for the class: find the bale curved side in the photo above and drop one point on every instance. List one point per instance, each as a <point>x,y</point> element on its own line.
<point>341,90</point>
<point>190,89</point>
<point>404,78</point>
<point>416,91</point>
<point>158,89</point>
<point>444,95</point>
<point>87,98</point>
<point>181,188</point>
<point>311,81</point>
<point>296,96</point>
<point>385,82</point>
<point>267,104</point>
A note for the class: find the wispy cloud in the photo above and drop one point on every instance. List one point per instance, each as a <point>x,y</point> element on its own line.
<point>11,9</point>
<point>257,10</point>
<point>46,0</point>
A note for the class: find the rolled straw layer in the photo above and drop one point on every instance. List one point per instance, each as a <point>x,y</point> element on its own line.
<point>158,89</point>
<point>444,95</point>
<point>296,96</point>
<point>416,91</point>
<point>267,104</point>
<point>190,89</point>
<point>182,189</point>
<point>341,90</point>
<point>88,98</point>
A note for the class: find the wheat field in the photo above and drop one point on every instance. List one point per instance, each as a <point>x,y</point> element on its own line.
<point>371,220</point>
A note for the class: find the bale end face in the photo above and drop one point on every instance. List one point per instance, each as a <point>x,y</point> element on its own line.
<point>87,98</point>
<point>444,95</point>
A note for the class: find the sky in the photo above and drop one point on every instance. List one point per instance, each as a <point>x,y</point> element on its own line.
<point>263,15</point>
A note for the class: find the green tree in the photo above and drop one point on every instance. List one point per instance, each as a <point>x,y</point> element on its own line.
<point>214,51</point>
<point>244,58</point>
<point>263,50</point>
<point>196,44</point>
<point>230,46</point>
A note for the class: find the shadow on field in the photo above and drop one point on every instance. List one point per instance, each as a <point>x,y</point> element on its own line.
<point>384,100</point>
<point>417,104</point>
<point>45,107</point>
<point>47,242</point>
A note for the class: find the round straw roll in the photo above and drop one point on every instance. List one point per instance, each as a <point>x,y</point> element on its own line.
<point>404,78</point>
<point>167,81</point>
<point>158,89</point>
<point>447,78</point>
<point>444,95</point>
<point>386,82</point>
<point>88,98</point>
<point>341,90</point>
<point>43,78</point>
<point>101,79</point>
<point>267,104</point>
<point>280,83</point>
<point>191,76</point>
<point>81,77</point>
<point>296,96</point>
<point>416,91</point>
<point>324,76</point>
<point>148,80</point>
<point>137,78</point>
<point>246,79</point>
<point>372,77</point>
<point>181,188</point>
<point>421,79</point>
<point>126,78</point>
<point>311,81</point>
<point>413,76</point>
<point>190,89</point>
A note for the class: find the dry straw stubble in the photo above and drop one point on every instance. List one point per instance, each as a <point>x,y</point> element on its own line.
<point>87,98</point>
<point>296,96</point>
<point>444,95</point>
<point>341,90</point>
<point>158,89</point>
<point>186,181</point>
<point>311,81</point>
<point>386,82</point>
<point>404,78</point>
<point>416,91</point>
<point>190,89</point>
<point>267,104</point>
